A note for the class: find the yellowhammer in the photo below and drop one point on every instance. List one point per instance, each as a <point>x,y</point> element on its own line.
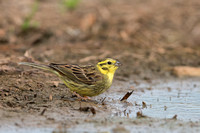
<point>85,80</point>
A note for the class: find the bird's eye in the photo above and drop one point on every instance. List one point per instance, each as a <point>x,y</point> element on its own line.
<point>109,63</point>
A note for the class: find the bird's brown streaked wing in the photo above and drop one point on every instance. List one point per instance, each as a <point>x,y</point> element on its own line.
<point>86,74</point>
<point>92,74</point>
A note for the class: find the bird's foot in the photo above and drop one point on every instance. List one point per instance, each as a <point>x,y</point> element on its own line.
<point>84,98</point>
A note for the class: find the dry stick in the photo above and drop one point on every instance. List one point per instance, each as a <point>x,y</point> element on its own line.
<point>43,111</point>
<point>127,95</point>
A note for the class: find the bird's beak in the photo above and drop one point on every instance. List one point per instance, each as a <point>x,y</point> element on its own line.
<point>118,64</point>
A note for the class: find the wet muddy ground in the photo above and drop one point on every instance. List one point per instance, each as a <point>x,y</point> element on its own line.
<point>172,105</point>
<point>149,38</point>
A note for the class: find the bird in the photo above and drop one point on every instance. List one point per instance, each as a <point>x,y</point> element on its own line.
<point>83,80</point>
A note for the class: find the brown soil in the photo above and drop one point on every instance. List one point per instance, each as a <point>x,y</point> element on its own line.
<point>148,37</point>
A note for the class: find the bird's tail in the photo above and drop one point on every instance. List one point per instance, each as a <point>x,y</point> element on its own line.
<point>44,67</point>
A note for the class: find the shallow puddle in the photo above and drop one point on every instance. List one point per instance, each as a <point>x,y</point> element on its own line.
<point>164,101</point>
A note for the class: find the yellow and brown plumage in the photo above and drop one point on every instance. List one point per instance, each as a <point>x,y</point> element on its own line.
<point>85,80</point>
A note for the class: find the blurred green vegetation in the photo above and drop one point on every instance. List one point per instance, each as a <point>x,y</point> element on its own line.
<point>71,4</point>
<point>27,23</point>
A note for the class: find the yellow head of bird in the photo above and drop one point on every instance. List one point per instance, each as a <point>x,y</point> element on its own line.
<point>108,66</point>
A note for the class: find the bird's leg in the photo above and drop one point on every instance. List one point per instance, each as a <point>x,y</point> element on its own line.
<point>85,98</point>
